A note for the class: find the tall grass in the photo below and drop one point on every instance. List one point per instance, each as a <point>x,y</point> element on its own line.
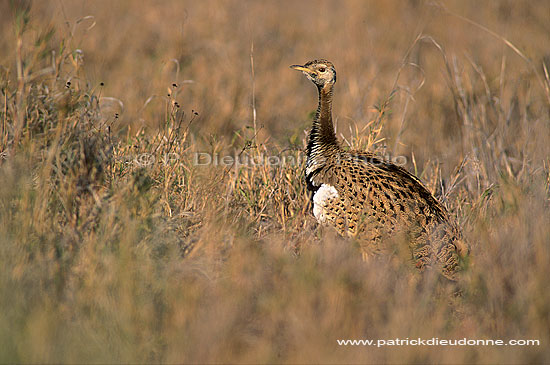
<point>117,247</point>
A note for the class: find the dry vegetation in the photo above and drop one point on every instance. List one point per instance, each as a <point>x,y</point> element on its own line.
<point>111,256</point>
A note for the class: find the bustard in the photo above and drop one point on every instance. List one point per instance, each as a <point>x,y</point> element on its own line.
<point>364,196</point>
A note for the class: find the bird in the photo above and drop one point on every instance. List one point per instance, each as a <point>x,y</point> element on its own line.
<point>364,196</point>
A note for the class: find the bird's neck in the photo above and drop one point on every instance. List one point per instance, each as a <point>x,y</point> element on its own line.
<point>322,139</point>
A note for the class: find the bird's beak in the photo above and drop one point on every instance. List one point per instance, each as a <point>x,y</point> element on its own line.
<point>301,68</point>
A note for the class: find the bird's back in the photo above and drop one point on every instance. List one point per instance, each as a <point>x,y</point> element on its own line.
<point>366,197</point>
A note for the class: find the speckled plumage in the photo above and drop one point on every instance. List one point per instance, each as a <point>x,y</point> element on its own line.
<point>366,197</point>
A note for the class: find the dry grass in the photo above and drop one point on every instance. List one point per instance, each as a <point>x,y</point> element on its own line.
<point>109,256</point>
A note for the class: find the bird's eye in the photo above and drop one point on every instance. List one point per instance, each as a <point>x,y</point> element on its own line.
<point>322,69</point>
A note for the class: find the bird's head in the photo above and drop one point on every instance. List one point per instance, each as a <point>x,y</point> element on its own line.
<point>321,72</point>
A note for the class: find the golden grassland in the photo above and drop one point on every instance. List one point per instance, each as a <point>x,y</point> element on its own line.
<point>117,247</point>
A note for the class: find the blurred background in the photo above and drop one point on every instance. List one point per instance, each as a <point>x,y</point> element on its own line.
<point>139,51</point>
<point>108,261</point>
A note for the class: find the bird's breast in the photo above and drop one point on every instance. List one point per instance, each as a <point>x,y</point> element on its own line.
<point>322,199</point>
